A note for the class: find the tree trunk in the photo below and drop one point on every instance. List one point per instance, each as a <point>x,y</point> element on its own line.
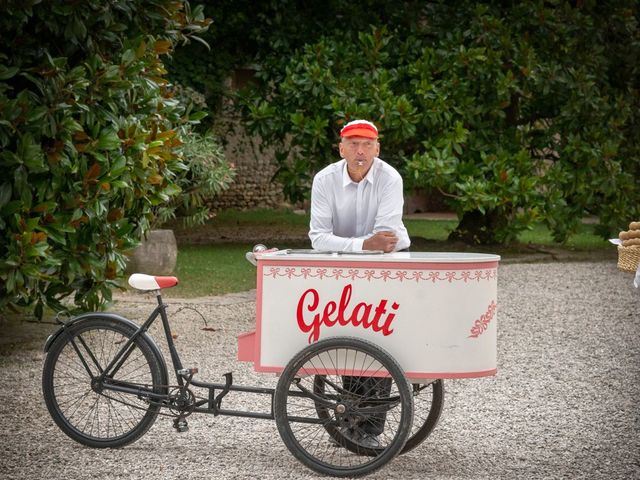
<point>156,255</point>
<point>477,228</point>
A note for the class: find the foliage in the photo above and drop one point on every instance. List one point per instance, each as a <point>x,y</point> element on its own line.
<point>208,175</point>
<point>244,30</point>
<point>89,134</point>
<point>517,112</point>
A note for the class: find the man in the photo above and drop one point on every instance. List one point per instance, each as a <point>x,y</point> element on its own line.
<point>356,205</point>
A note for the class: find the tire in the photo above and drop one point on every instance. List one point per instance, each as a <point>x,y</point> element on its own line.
<point>428,402</point>
<point>311,421</point>
<point>98,417</point>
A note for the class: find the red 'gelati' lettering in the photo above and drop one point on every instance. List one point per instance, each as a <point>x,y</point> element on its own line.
<point>360,315</point>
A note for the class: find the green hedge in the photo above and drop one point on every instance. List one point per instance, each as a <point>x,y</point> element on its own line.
<point>90,136</point>
<point>516,111</point>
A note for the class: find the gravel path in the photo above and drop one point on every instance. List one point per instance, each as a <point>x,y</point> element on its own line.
<point>565,402</point>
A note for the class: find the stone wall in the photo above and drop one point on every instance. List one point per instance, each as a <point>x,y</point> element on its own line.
<point>253,186</point>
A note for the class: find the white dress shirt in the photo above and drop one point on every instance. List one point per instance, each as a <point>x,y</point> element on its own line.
<point>345,213</point>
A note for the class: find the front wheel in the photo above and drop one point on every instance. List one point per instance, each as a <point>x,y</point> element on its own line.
<point>356,420</point>
<point>81,405</point>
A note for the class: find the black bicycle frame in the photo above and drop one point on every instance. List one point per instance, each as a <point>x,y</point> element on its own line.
<point>211,405</point>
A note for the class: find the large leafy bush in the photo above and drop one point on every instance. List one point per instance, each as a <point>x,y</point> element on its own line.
<point>516,112</point>
<point>209,174</point>
<point>89,133</point>
<point>244,30</point>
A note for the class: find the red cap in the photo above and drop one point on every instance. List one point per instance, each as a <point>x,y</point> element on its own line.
<point>359,128</point>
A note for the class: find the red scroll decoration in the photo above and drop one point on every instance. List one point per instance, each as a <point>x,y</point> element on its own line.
<point>466,276</point>
<point>480,325</point>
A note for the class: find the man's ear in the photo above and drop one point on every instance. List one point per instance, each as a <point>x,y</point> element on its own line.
<point>340,147</point>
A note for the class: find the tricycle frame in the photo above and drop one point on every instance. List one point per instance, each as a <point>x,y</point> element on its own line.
<point>339,409</point>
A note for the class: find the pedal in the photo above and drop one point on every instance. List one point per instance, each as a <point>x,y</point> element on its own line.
<point>187,371</point>
<point>181,425</point>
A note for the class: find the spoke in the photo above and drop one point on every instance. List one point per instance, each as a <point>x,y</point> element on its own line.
<point>88,416</point>
<point>129,408</point>
<point>78,403</point>
<point>130,423</point>
<point>118,417</point>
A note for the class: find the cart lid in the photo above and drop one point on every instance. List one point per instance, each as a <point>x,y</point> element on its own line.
<point>378,256</point>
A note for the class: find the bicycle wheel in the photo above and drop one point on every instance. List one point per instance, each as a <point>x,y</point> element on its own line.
<point>311,420</point>
<point>86,411</point>
<point>428,402</point>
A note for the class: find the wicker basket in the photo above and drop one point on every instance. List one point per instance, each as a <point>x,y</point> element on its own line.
<point>628,258</point>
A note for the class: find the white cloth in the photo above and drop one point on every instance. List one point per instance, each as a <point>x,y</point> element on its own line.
<point>345,213</point>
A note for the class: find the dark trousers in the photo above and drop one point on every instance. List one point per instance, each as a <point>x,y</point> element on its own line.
<point>370,387</point>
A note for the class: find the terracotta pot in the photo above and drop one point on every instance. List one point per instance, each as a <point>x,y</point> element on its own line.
<point>156,255</point>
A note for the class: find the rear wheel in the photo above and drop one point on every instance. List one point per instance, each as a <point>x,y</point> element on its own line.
<point>428,401</point>
<point>80,404</point>
<point>337,426</point>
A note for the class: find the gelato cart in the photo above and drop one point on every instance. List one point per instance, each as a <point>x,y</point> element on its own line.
<point>435,313</point>
<point>360,343</point>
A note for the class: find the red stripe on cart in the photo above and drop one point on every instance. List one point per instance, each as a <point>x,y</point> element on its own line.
<point>380,265</point>
<point>410,375</point>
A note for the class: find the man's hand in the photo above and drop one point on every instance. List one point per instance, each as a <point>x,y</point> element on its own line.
<point>385,241</point>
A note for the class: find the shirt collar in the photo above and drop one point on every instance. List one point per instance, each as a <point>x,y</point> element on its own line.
<point>346,179</point>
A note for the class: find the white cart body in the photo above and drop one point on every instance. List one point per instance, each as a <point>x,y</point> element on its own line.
<point>435,313</point>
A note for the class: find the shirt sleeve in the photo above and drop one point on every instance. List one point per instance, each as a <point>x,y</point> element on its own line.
<point>389,215</point>
<point>321,224</point>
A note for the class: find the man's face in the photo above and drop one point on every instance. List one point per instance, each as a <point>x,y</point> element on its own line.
<point>359,153</point>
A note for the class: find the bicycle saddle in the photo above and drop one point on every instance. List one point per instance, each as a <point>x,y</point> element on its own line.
<point>140,281</point>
